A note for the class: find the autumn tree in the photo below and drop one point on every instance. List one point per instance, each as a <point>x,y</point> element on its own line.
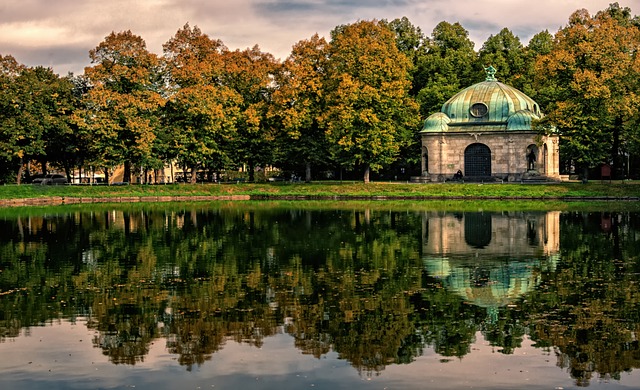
<point>298,105</point>
<point>201,112</point>
<point>369,114</point>
<point>250,73</point>
<point>120,116</point>
<point>594,72</point>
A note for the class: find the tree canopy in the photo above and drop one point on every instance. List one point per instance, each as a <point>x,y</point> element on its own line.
<point>591,76</point>
<point>352,103</point>
<point>369,114</point>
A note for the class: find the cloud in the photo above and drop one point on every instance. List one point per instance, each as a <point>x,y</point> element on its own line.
<point>60,33</point>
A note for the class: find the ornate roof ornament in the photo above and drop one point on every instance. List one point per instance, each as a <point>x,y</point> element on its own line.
<point>491,73</point>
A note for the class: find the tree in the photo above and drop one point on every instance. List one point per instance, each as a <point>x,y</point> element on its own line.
<point>369,114</point>
<point>201,113</point>
<point>505,53</point>
<point>121,107</point>
<point>36,116</point>
<point>540,44</point>
<point>449,65</point>
<point>416,46</point>
<point>409,39</point>
<point>298,105</point>
<point>251,73</point>
<point>594,72</point>
<point>52,104</point>
<point>10,154</point>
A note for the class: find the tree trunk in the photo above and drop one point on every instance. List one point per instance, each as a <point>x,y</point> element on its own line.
<point>252,175</point>
<point>585,174</point>
<point>127,172</point>
<point>194,176</point>
<point>19,177</point>
<point>106,175</point>
<point>67,169</point>
<point>307,173</point>
<point>615,148</point>
<point>367,170</point>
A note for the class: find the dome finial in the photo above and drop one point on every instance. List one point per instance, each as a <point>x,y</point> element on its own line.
<point>491,73</point>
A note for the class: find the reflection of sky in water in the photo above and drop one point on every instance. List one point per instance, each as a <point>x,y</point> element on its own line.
<point>36,362</point>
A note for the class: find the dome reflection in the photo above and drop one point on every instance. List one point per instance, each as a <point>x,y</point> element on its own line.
<point>490,259</point>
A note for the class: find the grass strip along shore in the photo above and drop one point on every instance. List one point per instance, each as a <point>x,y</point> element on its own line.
<point>14,195</point>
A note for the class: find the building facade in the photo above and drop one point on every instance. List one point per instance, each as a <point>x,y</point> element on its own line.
<point>484,133</point>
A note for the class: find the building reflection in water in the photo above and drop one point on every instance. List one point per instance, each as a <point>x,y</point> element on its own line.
<point>490,259</point>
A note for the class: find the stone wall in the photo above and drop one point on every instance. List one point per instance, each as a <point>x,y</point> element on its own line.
<point>445,154</point>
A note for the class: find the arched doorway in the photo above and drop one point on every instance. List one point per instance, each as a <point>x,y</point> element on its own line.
<point>477,160</point>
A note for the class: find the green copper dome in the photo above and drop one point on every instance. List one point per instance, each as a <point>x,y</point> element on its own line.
<point>521,120</point>
<point>437,122</point>
<point>486,106</point>
<point>488,101</point>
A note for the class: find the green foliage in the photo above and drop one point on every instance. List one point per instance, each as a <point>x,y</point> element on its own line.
<point>120,118</point>
<point>505,53</point>
<point>297,106</point>
<point>590,79</point>
<point>352,103</point>
<point>446,66</point>
<point>250,74</point>
<point>35,122</point>
<point>369,114</point>
<point>201,114</point>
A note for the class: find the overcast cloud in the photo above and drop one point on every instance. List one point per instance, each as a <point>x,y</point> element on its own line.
<point>60,33</point>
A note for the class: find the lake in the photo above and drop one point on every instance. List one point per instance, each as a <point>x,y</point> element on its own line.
<point>323,295</point>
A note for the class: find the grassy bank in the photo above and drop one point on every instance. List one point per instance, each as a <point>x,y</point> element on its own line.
<point>556,191</point>
<point>461,205</point>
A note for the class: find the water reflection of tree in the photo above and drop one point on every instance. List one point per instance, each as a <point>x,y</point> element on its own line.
<point>589,310</point>
<point>199,277</point>
<point>445,321</point>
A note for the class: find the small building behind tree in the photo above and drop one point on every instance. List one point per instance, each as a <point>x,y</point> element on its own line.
<point>485,132</point>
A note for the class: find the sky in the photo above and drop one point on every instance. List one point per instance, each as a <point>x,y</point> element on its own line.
<point>60,33</point>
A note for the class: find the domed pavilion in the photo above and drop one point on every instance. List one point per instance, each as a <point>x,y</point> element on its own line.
<point>485,133</point>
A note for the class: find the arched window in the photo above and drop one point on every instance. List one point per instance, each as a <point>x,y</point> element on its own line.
<point>477,160</point>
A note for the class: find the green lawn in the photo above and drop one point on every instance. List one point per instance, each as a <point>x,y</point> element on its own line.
<point>559,191</point>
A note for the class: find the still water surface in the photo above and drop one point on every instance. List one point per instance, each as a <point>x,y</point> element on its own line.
<point>258,295</point>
